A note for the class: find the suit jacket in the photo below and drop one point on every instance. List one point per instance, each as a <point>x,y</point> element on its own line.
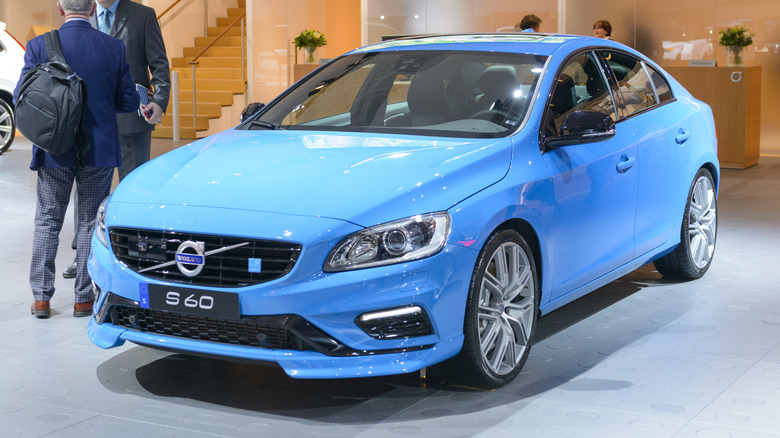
<point>101,62</point>
<point>137,26</point>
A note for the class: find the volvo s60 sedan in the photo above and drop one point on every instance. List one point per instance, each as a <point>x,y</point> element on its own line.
<point>412,203</point>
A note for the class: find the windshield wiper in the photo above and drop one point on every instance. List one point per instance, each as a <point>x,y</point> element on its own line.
<point>263,124</point>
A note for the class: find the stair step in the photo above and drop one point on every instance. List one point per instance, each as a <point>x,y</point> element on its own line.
<point>218,51</point>
<point>233,31</point>
<point>228,41</point>
<point>185,121</point>
<point>210,73</point>
<point>226,21</point>
<point>223,98</point>
<point>167,132</point>
<point>242,3</point>
<point>210,109</point>
<point>237,86</point>
<point>208,62</point>
<point>235,12</point>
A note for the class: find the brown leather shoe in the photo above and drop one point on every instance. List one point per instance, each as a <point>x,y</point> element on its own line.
<point>40,309</point>
<point>83,309</point>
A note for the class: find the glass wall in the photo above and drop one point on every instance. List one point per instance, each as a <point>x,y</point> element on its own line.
<point>671,32</point>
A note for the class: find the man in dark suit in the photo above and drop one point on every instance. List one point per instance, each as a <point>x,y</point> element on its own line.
<point>136,25</point>
<point>101,62</point>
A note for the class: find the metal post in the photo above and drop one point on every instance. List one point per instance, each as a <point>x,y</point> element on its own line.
<point>194,103</point>
<point>175,94</point>
<point>206,17</point>
<point>243,64</point>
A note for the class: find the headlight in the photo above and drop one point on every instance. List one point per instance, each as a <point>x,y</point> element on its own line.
<point>399,241</point>
<point>100,223</point>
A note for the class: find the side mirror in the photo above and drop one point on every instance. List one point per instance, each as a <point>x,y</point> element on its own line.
<point>584,127</point>
<point>250,110</point>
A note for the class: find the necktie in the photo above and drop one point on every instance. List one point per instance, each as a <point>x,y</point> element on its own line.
<point>105,22</point>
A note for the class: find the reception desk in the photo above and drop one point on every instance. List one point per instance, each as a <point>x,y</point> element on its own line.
<point>301,70</point>
<point>734,93</point>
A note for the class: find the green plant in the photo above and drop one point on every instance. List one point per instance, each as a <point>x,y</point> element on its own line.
<point>736,36</point>
<point>310,38</point>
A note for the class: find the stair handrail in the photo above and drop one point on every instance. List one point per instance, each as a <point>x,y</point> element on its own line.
<point>205,12</point>
<point>194,63</point>
<point>169,8</point>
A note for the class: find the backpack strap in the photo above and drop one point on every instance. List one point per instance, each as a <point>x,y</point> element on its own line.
<point>54,52</point>
<point>54,49</point>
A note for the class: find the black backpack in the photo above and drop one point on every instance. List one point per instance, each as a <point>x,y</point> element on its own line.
<point>51,102</point>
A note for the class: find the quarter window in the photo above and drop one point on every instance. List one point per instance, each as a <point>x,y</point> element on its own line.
<point>633,81</point>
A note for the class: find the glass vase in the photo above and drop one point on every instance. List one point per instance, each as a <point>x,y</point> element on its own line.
<point>734,56</point>
<point>312,57</point>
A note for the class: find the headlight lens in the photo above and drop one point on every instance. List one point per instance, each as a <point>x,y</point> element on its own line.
<point>100,223</point>
<point>399,241</point>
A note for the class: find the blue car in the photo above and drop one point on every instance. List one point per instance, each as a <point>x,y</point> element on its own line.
<point>412,203</point>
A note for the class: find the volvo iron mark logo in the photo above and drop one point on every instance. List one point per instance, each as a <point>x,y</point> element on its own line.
<point>190,253</point>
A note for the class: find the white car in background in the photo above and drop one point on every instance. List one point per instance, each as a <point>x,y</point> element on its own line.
<point>11,62</point>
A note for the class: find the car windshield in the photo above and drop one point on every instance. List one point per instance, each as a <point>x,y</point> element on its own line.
<point>439,93</point>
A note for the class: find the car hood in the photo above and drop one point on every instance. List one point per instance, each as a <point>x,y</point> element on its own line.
<point>364,179</point>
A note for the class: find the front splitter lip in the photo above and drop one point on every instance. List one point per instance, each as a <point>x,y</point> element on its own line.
<point>297,364</point>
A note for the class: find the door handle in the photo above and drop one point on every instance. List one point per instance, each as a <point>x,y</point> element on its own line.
<point>682,136</point>
<point>625,163</point>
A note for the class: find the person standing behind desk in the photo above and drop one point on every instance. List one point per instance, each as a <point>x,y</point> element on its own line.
<point>101,62</point>
<point>602,29</point>
<point>530,23</point>
<point>136,25</point>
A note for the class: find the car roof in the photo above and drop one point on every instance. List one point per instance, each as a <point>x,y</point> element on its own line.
<point>510,42</point>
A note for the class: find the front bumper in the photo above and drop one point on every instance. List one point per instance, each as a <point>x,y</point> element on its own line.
<point>318,312</point>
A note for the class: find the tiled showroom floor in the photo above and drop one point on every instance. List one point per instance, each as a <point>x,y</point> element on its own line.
<point>641,357</point>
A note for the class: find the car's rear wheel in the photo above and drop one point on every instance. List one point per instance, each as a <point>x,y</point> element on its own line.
<point>7,126</point>
<point>693,256</point>
<point>501,314</point>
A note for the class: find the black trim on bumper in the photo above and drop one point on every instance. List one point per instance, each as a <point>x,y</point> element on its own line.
<point>296,332</point>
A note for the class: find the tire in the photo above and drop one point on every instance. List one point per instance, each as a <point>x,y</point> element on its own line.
<point>693,256</point>
<point>7,126</point>
<point>501,314</point>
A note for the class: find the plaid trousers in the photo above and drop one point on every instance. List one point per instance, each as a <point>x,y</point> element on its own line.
<point>53,195</point>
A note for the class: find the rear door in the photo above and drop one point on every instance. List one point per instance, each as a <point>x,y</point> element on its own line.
<point>660,126</point>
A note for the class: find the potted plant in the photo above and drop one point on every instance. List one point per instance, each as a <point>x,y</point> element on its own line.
<point>735,38</point>
<point>310,40</point>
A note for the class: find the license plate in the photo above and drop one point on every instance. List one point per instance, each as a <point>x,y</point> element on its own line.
<point>222,305</point>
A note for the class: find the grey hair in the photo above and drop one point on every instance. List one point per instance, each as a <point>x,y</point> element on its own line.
<point>77,6</point>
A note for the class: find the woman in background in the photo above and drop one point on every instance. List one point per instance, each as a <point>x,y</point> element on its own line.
<point>602,29</point>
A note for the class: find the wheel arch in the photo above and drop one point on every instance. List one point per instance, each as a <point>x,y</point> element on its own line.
<point>531,237</point>
<point>7,97</point>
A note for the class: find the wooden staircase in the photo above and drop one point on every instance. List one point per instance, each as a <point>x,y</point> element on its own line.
<point>219,77</point>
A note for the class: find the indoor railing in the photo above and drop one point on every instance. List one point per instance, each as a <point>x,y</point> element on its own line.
<point>194,62</point>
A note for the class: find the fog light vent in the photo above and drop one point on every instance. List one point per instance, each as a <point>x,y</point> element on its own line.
<point>403,322</point>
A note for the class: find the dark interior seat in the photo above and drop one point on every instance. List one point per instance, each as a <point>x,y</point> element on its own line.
<point>498,84</point>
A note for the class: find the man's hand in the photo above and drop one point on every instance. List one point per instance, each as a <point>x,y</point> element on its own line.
<point>153,113</point>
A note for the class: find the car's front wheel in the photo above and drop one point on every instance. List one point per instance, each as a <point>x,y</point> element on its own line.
<point>7,126</point>
<point>693,256</point>
<point>501,314</point>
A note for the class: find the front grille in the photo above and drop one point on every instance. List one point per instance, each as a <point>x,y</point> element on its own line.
<point>249,333</point>
<point>237,267</point>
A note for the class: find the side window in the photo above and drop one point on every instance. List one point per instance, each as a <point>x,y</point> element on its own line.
<point>633,83</point>
<point>580,87</point>
<point>662,87</point>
